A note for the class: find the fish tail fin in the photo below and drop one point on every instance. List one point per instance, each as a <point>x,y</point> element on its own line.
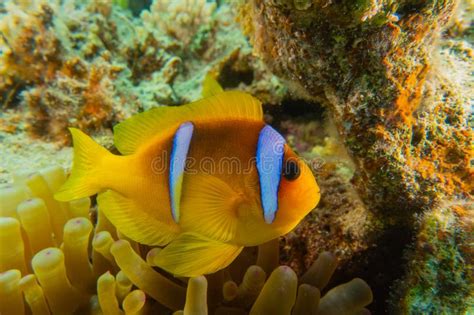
<point>87,162</point>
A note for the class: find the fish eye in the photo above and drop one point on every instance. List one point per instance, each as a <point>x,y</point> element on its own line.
<point>291,170</point>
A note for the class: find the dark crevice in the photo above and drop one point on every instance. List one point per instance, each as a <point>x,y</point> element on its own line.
<point>381,266</point>
<point>12,97</point>
<point>416,137</point>
<point>302,108</point>
<point>293,109</point>
<point>410,8</point>
<point>137,6</point>
<point>231,76</point>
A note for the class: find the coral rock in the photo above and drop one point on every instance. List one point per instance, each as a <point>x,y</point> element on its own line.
<point>369,61</point>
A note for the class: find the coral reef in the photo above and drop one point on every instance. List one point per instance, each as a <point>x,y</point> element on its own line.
<point>90,64</point>
<point>439,275</point>
<point>390,145</point>
<point>402,122</point>
<point>395,78</point>
<point>57,85</point>
<point>59,261</point>
<point>181,20</point>
<point>342,224</point>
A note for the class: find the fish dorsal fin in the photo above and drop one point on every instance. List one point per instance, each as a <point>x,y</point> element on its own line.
<point>210,87</point>
<point>141,128</point>
<point>269,160</point>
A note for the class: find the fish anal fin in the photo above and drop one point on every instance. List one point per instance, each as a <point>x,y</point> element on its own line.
<point>134,222</point>
<point>209,206</point>
<point>192,254</point>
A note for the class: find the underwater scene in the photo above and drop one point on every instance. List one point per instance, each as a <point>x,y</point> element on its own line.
<point>263,157</point>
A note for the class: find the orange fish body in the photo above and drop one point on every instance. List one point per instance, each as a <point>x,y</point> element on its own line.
<point>190,179</point>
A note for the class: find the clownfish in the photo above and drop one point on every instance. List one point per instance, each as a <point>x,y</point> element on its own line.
<point>203,179</point>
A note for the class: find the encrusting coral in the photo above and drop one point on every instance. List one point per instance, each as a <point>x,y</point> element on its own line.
<point>68,66</point>
<point>91,64</point>
<point>439,271</point>
<point>395,77</point>
<point>181,20</point>
<point>64,258</point>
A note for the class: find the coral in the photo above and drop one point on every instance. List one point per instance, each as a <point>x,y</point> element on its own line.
<point>341,224</point>
<point>62,262</point>
<point>31,49</point>
<point>73,71</point>
<point>395,78</point>
<point>91,64</point>
<point>181,20</point>
<point>391,82</point>
<point>54,108</point>
<point>439,275</point>
<point>206,39</point>
<point>402,122</point>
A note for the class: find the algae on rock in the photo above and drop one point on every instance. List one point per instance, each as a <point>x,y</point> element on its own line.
<point>368,62</point>
<point>396,77</point>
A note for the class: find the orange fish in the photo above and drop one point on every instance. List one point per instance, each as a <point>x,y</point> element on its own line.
<point>205,179</point>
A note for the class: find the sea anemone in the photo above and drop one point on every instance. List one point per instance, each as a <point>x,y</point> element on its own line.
<point>64,258</point>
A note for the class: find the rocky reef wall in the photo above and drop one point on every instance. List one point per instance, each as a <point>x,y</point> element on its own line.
<point>394,76</point>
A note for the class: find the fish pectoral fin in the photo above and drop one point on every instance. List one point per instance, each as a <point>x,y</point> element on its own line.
<point>210,205</point>
<point>193,254</point>
<point>134,222</point>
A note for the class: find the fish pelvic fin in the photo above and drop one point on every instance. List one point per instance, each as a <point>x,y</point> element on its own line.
<point>83,181</point>
<point>193,254</point>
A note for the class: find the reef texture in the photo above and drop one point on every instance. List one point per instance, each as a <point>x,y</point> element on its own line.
<point>90,65</point>
<point>396,78</point>
<point>440,271</point>
<point>65,258</point>
<point>392,138</point>
<point>341,222</point>
<point>403,123</point>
